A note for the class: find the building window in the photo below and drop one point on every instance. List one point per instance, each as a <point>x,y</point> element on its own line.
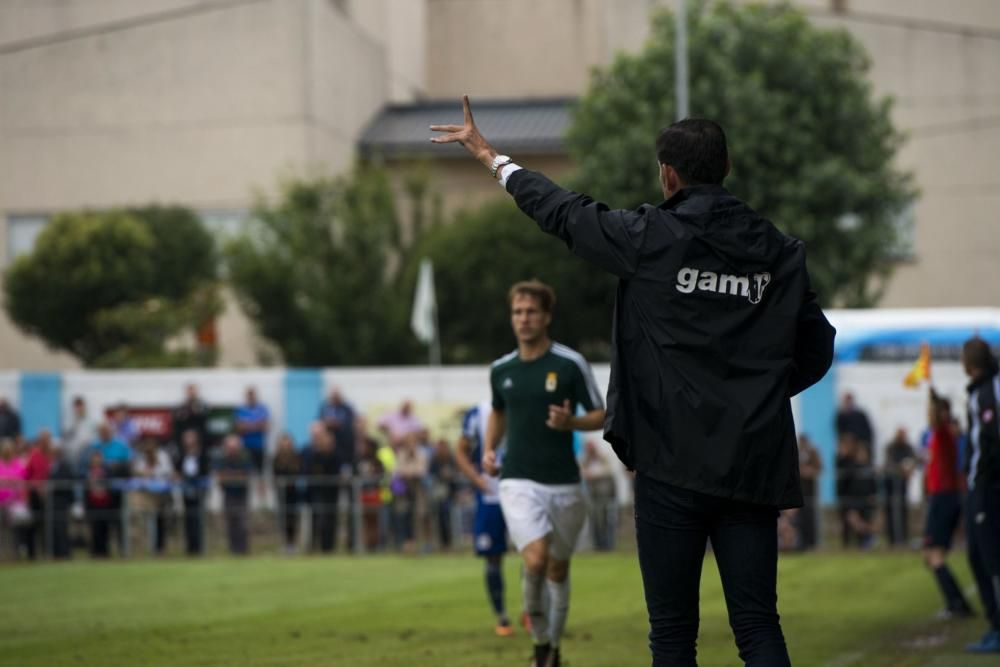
<point>905,223</point>
<point>22,231</point>
<point>223,224</point>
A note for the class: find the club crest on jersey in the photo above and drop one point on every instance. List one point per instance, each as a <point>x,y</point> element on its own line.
<point>551,381</point>
<point>508,383</point>
<point>987,416</point>
<point>751,286</point>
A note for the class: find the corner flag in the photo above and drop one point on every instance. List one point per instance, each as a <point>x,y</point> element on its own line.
<point>921,369</point>
<point>423,320</point>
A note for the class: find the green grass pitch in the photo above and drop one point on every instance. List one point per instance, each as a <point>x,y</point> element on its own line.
<point>838,610</point>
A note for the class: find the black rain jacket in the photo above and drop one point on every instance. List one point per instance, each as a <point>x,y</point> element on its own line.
<point>716,327</point>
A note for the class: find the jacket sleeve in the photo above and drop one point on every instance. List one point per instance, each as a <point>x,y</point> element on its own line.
<point>610,239</point>
<point>813,345</point>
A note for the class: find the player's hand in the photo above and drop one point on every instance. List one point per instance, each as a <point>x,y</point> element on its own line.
<point>466,134</point>
<point>490,462</point>
<point>560,416</point>
<point>483,484</point>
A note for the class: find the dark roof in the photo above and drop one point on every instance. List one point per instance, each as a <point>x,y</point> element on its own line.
<point>533,126</point>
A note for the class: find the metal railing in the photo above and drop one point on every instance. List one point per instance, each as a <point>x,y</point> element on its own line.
<point>259,514</point>
<point>264,514</point>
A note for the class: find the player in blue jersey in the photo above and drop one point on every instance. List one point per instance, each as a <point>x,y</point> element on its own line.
<point>489,530</point>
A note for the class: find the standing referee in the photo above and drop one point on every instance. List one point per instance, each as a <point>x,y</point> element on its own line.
<point>715,328</point>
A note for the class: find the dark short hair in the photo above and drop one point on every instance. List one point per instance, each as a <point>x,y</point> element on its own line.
<point>976,354</point>
<point>696,149</point>
<point>535,288</point>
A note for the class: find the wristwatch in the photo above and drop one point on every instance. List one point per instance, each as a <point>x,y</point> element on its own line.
<point>499,161</point>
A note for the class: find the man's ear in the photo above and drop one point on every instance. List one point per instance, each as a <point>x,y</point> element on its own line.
<point>669,178</point>
<point>729,167</point>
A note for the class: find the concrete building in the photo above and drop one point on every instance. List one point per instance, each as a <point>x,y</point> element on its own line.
<point>200,102</point>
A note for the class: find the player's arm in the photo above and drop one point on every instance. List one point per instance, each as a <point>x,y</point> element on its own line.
<point>586,394</point>
<point>610,239</point>
<point>464,464</point>
<point>496,426</point>
<point>561,418</point>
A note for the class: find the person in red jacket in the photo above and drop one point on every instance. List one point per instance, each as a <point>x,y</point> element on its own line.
<point>943,486</point>
<point>40,459</point>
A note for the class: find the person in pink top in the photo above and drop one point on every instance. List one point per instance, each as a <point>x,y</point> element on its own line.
<point>40,459</point>
<point>397,426</point>
<point>13,506</point>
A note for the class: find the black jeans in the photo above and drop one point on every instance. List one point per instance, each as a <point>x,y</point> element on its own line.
<point>673,526</point>
<point>194,540</point>
<point>983,538</point>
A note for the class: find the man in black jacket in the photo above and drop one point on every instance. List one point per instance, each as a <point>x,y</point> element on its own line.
<point>715,328</point>
<point>983,514</point>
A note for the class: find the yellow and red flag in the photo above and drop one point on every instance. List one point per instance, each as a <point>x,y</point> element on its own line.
<point>921,369</point>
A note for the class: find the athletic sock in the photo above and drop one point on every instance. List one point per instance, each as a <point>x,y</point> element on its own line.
<point>534,604</point>
<point>953,597</point>
<point>558,608</point>
<point>494,588</point>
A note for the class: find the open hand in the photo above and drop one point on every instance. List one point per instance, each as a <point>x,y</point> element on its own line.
<point>466,134</point>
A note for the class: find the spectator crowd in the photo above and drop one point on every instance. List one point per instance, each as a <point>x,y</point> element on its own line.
<point>104,485</point>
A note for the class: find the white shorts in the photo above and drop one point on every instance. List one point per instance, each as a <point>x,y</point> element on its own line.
<point>534,510</point>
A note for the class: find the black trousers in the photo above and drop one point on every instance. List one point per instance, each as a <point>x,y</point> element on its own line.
<point>194,541</point>
<point>61,545</point>
<point>983,537</point>
<point>324,521</point>
<point>237,525</point>
<point>896,510</point>
<point>100,526</point>
<point>673,526</point>
<point>288,507</point>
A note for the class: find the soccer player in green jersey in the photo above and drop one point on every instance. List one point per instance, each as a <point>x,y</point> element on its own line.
<point>536,390</point>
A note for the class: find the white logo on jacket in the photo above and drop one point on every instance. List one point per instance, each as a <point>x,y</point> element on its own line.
<point>750,286</point>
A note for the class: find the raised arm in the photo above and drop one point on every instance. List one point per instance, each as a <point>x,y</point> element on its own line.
<point>610,239</point>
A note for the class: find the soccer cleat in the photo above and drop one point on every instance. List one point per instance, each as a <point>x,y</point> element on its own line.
<point>504,629</point>
<point>954,613</point>
<point>541,655</point>
<point>990,643</point>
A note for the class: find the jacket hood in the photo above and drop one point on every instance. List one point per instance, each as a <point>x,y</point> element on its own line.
<point>731,229</point>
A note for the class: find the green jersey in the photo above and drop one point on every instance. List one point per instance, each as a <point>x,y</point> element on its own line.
<point>523,392</point>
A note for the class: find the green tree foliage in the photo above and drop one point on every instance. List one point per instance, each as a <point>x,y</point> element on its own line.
<point>479,255</point>
<point>812,147</point>
<point>317,271</point>
<point>114,287</point>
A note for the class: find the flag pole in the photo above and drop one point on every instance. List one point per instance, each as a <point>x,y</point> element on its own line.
<point>681,61</point>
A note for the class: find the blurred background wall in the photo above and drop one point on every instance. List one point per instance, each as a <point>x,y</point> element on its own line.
<point>203,102</point>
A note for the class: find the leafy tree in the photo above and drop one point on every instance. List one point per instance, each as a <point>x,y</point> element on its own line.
<point>113,287</point>
<point>317,271</point>
<point>812,148</point>
<point>184,256</point>
<point>480,255</point>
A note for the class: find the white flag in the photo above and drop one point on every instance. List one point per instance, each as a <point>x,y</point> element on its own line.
<point>423,321</point>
